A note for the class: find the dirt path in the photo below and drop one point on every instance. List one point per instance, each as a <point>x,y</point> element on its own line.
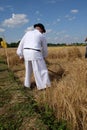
<point>17,106</point>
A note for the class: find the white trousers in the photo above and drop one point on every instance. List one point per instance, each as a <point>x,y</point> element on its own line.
<point>38,67</point>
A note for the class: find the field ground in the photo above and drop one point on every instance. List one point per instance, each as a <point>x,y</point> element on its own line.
<point>18,109</point>
<point>67,96</point>
<point>16,105</point>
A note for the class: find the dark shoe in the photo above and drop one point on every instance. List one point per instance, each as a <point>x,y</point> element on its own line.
<point>43,89</point>
<point>33,85</point>
<point>26,88</point>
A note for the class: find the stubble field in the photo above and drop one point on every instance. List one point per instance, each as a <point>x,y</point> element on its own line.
<point>67,95</point>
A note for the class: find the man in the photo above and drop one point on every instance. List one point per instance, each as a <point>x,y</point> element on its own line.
<point>86,48</point>
<point>33,48</point>
<point>3,43</point>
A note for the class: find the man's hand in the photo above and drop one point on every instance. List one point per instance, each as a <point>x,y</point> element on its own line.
<point>22,60</point>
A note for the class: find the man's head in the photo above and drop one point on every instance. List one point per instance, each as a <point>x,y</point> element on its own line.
<point>40,27</point>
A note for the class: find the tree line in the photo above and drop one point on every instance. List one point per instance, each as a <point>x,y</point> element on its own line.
<point>51,44</point>
<point>15,44</point>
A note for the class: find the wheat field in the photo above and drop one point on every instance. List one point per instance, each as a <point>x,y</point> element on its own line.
<point>67,95</point>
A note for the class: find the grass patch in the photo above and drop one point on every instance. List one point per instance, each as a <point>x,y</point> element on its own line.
<point>48,117</point>
<point>19,110</point>
<point>5,97</point>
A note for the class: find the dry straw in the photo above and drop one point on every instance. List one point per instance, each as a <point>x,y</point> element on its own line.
<point>68,93</point>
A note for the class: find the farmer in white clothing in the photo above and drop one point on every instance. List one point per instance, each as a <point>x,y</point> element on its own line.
<point>33,49</point>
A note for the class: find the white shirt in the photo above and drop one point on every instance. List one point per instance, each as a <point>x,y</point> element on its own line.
<point>32,39</point>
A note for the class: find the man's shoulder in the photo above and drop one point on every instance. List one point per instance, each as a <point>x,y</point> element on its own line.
<point>29,32</point>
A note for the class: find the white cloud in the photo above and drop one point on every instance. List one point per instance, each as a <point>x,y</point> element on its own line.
<point>66,36</point>
<point>15,20</point>
<point>48,30</point>
<point>67,16</point>
<point>61,32</point>
<point>1,9</point>
<point>37,12</point>
<point>29,29</point>
<point>70,18</point>
<point>38,19</point>
<point>53,1</point>
<point>2,30</point>
<point>74,11</point>
<point>58,20</point>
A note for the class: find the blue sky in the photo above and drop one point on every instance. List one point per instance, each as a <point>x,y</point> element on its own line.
<point>65,20</point>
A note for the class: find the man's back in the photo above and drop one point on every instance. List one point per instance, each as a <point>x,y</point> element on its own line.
<point>33,39</point>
